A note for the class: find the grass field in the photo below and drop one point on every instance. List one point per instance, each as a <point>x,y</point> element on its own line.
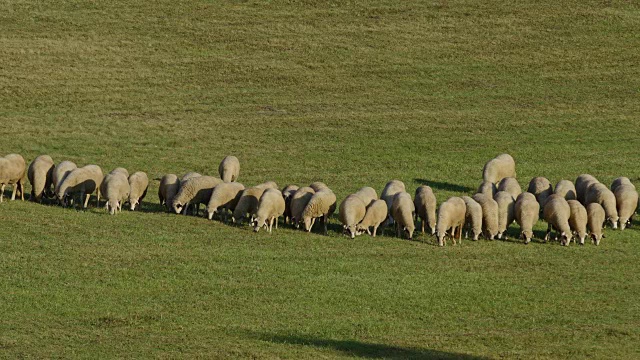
<point>351,94</point>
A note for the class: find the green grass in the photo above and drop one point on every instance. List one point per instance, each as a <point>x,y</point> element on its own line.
<point>349,94</point>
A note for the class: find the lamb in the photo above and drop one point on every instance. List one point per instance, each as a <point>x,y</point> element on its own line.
<point>318,185</point>
<point>287,194</point>
<point>527,211</point>
<point>169,186</point>
<point>367,195</point>
<point>13,171</point>
<point>582,184</point>
<point>248,201</point>
<point>511,186</point>
<point>321,205</point>
<point>566,189</point>
<point>620,181</point>
<point>489,215</point>
<point>556,213</point>
<point>351,212</point>
<point>224,196</point>
<point>403,209</point>
<point>472,217</point>
<point>270,207</point>
<point>487,188</point>
<point>82,181</point>
<point>578,219</point>
<point>500,167</point>
<point>376,214</point>
<point>390,190</point>
<point>139,182</point>
<point>601,194</point>
<point>40,173</point>
<point>541,188</point>
<point>196,190</point>
<point>506,211</point>
<point>451,215</point>
<point>60,172</point>
<point>425,205</point>
<point>626,203</point>
<point>299,201</point>
<point>115,187</point>
<point>229,169</point>
<point>595,220</point>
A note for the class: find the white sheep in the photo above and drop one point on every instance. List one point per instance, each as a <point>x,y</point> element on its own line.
<point>248,202</point>
<point>622,180</point>
<point>367,194</point>
<point>188,176</point>
<point>270,207</point>
<point>169,186</point>
<point>600,193</point>
<point>578,219</point>
<point>556,213</point>
<point>566,189</point>
<point>81,181</point>
<point>139,183</point>
<point>120,170</point>
<point>595,221</point>
<point>510,185</point>
<point>375,215</point>
<point>390,190</point>
<point>582,184</point>
<point>13,171</point>
<point>626,203</point>
<point>299,201</point>
<point>40,175</point>
<point>229,169</point>
<point>115,188</point>
<point>451,215</point>
<point>425,205</point>
<point>196,190</point>
<point>472,217</point>
<point>351,212</point>
<point>527,211</point>
<point>318,185</point>
<point>487,188</point>
<point>489,215</point>
<point>403,211</point>
<point>506,212</point>
<point>500,167</point>
<point>540,187</point>
<point>224,196</point>
<point>60,172</point>
<point>287,194</point>
<point>321,205</point>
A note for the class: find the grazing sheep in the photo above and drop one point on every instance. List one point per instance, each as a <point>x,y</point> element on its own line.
<point>287,194</point>
<point>318,185</point>
<point>188,176</point>
<point>566,189</point>
<point>556,213</point>
<point>451,215</point>
<point>582,184</point>
<point>120,170</point>
<point>390,190</point>
<point>115,188</point>
<point>376,214</point>
<point>500,167</point>
<point>270,207</point>
<point>351,212</point>
<point>578,219</point>
<point>299,201</point>
<point>184,179</point>
<point>224,196</point>
<point>506,212</point>
<point>248,201</point>
<point>60,172</point>
<point>40,173</point>
<point>540,187</point>
<point>489,215</point>
<point>425,204</point>
<point>321,205</point>
<point>367,195</point>
<point>403,209</point>
<point>511,186</point>
<point>196,190</point>
<point>82,181</point>
<point>626,203</point>
<point>13,171</point>
<point>620,181</point>
<point>599,193</point>
<point>527,211</point>
<point>487,188</point>
<point>169,186</point>
<point>595,221</point>
<point>472,218</point>
<point>229,169</point>
<point>139,182</point>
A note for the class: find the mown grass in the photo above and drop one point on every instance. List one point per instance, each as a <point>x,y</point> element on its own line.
<point>349,94</point>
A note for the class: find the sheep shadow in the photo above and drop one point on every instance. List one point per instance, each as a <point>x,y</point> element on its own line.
<point>440,185</point>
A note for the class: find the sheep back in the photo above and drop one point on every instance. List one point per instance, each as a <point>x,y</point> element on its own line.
<point>376,213</point>
<point>578,219</point>
<point>506,211</point>
<point>626,203</point>
<point>299,201</point>
<point>599,193</point>
<point>595,221</point>
<point>489,215</point>
<point>451,215</point>
<point>40,174</point>
<point>367,194</point>
<point>60,172</point>
<point>566,189</point>
<point>139,183</point>
<point>13,171</point>
<point>622,180</point>
<point>229,169</point>
<point>403,209</point>
<point>169,185</point>
<point>225,195</point>
<point>527,213</point>
<point>195,190</point>
<point>473,216</point>
<point>540,187</point>
<point>115,188</point>
<point>500,167</point>
<point>390,190</point>
<point>583,182</point>
<point>556,213</point>
<point>425,205</point>
<point>351,212</point>
<point>248,202</point>
<point>510,185</point>
<point>270,207</point>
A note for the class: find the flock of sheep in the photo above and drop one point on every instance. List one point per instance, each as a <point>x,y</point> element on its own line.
<point>571,210</point>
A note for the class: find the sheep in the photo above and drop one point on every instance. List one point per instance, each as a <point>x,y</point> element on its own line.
<point>60,172</point>
<point>489,215</point>
<point>321,205</point>
<point>472,217</point>
<point>556,213</point>
<point>375,215</point>
<point>540,187</point>
<point>506,212</point>
<point>183,179</point>
<point>595,220</point>
<point>115,188</point>
<point>566,189</point>
<point>299,201</point>
<point>578,219</point>
<point>425,204</point>
<point>451,215</point>
<point>511,186</point>
<point>229,169</point>
<point>403,210</point>
<point>139,182</point>
<point>582,184</point>
<point>390,190</point>
<point>40,173</point>
<point>196,190</point>
<point>82,181</point>
<point>599,193</point>
<point>500,167</point>
<point>626,203</point>
<point>527,211</point>
<point>120,170</point>
<point>487,188</point>
<point>270,207</point>
<point>318,185</point>
<point>287,194</point>
<point>351,212</point>
<point>620,181</point>
<point>225,196</point>
<point>169,186</point>
<point>188,176</point>
<point>248,201</point>
<point>367,195</point>
<point>13,171</point>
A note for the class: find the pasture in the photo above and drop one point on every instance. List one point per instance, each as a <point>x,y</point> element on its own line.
<point>351,94</point>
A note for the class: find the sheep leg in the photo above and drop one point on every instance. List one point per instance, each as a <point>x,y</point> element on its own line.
<point>313,221</point>
<point>86,200</point>
<point>15,190</point>
<point>2,192</point>
<point>422,225</point>
<point>375,228</point>
<point>276,221</point>
<point>98,199</point>
<point>324,220</point>
<point>546,236</point>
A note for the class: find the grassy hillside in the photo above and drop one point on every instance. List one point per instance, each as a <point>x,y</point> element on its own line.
<point>349,94</point>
